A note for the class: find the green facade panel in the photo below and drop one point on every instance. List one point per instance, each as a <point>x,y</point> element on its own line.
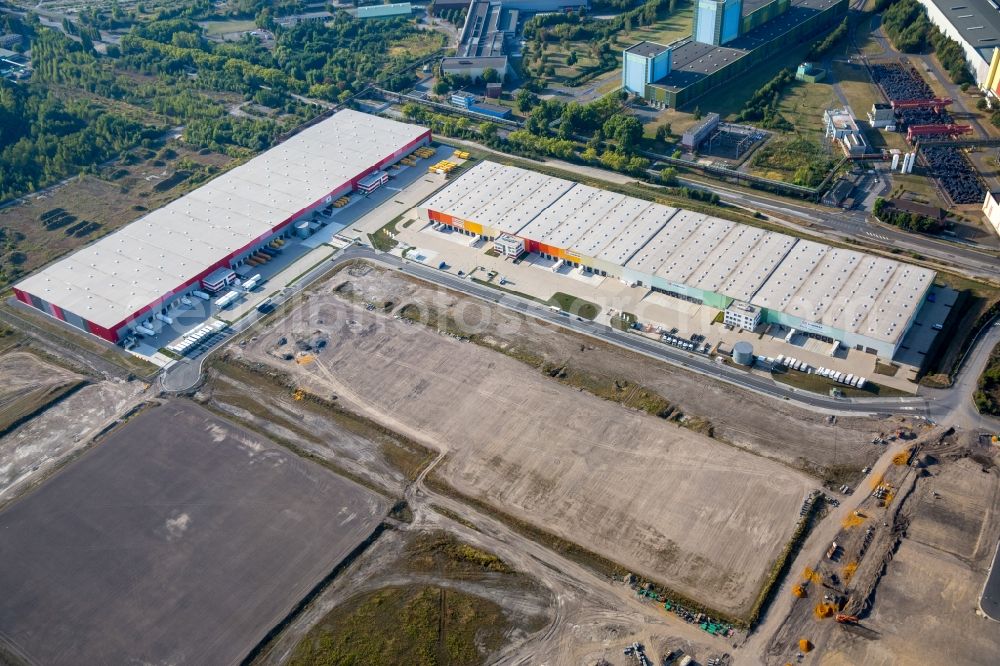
<point>801,32</point>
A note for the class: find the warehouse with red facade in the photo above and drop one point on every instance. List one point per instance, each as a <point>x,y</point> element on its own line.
<point>145,268</point>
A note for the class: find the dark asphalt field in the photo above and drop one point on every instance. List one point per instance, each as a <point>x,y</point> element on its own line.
<point>179,539</point>
<point>989,602</point>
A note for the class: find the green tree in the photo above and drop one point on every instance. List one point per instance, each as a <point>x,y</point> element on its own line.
<point>625,130</point>
<point>525,100</point>
<point>663,132</point>
<point>668,176</point>
<point>490,75</point>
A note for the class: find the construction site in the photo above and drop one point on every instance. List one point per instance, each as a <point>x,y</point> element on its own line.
<point>361,338</point>
<point>900,579</point>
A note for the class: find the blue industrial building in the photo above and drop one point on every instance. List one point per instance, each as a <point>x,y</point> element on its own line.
<point>730,37</point>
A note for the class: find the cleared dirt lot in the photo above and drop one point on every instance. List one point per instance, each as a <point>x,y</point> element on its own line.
<point>36,446</point>
<point>925,607</point>
<point>831,449</point>
<point>704,518</point>
<point>373,456</point>
<point>179,538</point>
<point>29,385</point>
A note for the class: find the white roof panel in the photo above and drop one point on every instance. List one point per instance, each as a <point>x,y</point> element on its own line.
<point>109,280</point>
<point>846,290</point>
<point>636,234</point>
<point>860,293</point>
<point>615,221</point>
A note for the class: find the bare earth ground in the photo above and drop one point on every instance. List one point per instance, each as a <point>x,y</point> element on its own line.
<point>925,607</point>
<point>29,384</point>
<point>34,448</point>
<point>376,458</point>
<point>679,507</point>
<point>588,617</point>
<point>806,440</point>
<point>179,538</point>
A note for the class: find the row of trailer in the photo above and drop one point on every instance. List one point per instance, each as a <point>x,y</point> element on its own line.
<point>843,377</point>
<point>196,337</point>
<point>846,378</point>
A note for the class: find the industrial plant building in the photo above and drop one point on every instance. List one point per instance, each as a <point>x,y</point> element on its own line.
<point>146,268</point>
<point>490,26</point>
<point>729,38</point>
<point>975,25</point>
<point>863,301</point>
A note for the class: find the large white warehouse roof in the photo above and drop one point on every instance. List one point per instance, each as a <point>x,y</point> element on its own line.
<point>870,296</point>
<point>110,280</point>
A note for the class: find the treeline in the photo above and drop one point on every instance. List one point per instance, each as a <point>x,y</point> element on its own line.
<point>165,73</point>
<point>987,397</point>
<point>551,130</point>
<point>907,25</point>
<point>820,49</point>
<point>885,211</point>
<point>762,107</point>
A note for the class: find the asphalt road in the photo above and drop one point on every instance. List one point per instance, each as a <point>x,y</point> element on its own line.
<point>937,405</point>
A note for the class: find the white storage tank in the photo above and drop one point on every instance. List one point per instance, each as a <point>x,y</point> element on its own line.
<point>302,229</point>
<point>743,353</point>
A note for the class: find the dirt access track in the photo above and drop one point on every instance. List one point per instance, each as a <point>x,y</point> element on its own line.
<point>704,518</point>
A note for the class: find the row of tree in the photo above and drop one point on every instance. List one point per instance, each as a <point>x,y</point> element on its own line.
<point>907,25</point>
<point>885,211</point>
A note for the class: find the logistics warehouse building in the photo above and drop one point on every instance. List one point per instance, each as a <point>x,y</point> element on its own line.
<point>145,268</point>
<point>864,301</point>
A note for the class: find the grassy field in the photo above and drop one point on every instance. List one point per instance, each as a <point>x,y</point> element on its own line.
<point>787,157</point>
<point>663,31</point>
<point>421,625</point>
<point>217,28</point>
<point>442,554</point>
<point>420,45</point>
<point>920,188</point>
<point>574,305</point>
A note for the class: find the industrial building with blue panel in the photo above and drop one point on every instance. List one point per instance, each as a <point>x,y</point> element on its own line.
<point>729,38</point>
